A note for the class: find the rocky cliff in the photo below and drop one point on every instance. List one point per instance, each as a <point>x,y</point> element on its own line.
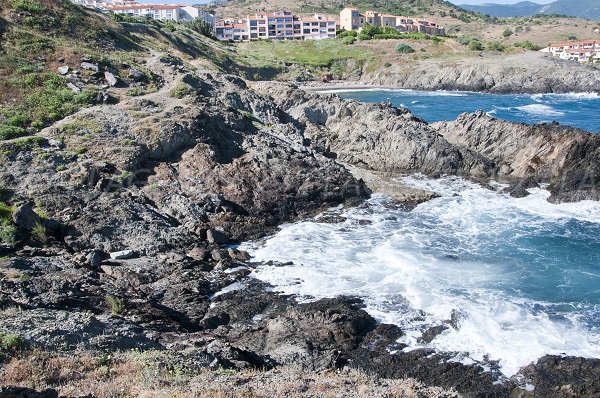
<point>123,212</point>
<point>477,146</point>
<point>523,73</point>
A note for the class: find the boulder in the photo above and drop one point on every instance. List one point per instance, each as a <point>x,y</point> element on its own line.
<point>136,75</point>
<point>63,70</point>
<point>25,217</point>
<point>94,258</point>
<point>122,255</point>
<point>89,66</point>
<point>217,236</point>
<point>73,87</point>
<point>111,79</point>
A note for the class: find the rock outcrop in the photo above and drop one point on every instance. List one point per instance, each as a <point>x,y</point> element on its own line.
<point>522,73</point>
<point>135,201</point>
<point>566,158</point>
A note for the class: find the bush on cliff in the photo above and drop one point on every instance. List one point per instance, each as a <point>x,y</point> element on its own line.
<point>495,46</point>
<point>476,45</point>
<point>527,45</point>
<point>404,49</point>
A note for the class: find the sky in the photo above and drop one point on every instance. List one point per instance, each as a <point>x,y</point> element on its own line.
<point>497,1</point>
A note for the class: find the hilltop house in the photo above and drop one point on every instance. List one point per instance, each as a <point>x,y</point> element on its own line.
<point>352,19</point>
<point>163,12</point>
<point>581,51</point>
<point>281,25</point>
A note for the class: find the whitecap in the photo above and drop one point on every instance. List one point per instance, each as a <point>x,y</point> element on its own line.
<point>540,110</point>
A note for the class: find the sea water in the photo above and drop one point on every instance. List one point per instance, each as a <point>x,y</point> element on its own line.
<point>512,279</point>
<point>520,278</point>
<point>577,110</point>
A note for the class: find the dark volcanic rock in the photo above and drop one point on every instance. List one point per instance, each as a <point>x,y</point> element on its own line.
<point>565,157</point>
<point>555,377</point>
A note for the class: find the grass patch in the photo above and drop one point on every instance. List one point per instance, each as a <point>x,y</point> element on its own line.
<point>181,90</point>
<point>317,53</point>
<point>39,233</point>
<point>116,304</point>
<point>8,232</point>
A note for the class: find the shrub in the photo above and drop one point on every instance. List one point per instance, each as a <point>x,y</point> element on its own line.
<point>117,304</point>
<point>30,6</point>
<point>404,49</point>
<point>39,233</point>
<point>8,132</point>
<point>201,26</point>
<point>475,45</point>
<point>8,232</point>
<point>348,40</point>
<point>507,32</point>
<point>528,45</point>
<point>11,342</point>
<point>347,33</point>
<point>495,46</point>
<point>181,90</point>
<point>6,211</point>
<point>464,40</point>
<point>387,64</point>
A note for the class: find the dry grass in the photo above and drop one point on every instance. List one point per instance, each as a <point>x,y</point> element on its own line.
<point>148,375</point>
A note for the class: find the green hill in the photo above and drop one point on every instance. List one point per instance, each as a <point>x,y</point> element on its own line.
<point>39,36</point>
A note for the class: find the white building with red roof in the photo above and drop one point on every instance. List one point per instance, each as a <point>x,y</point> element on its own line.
<point>581,51</point>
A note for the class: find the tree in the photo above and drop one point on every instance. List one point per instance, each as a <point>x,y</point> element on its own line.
<point>200,26</point>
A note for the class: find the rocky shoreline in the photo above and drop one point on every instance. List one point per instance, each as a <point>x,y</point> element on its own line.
<point>126,215</point>
<point>527,73</point>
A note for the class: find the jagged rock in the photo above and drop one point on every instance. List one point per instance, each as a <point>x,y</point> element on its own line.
<point>122,255</point>
<point>73,87</point>
<point>136,75</point>
<point>25,217</point>
<point>239,255</point>
<point>111,79</point>
<point>63,70</point>
<point>95,258</point>
<point>89,66</point>
<point>216,236</point>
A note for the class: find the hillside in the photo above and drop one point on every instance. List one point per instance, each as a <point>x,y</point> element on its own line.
<point>241,8</point>
<point>38,37</point>
<point>588,9</point>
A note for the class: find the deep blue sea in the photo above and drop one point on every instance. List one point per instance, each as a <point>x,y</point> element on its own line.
<point>521,275</point>
<point>578,110</point>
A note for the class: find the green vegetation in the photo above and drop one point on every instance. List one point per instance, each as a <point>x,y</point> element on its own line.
<point>528,45</point>
<point>495,46</point>
<point>39,233</point>
<point>476,45</point>
<point>8,232</point>
<point>11,342</point>
<point>507,32</point>
<point>181,90</point>
<point>117,304</point>
<point>404,49</point>
<point>315,53</point>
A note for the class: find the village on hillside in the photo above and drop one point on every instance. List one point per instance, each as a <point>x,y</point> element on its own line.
<point>287,25</point>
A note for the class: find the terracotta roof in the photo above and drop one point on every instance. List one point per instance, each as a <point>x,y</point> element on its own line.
<point>240,25</point>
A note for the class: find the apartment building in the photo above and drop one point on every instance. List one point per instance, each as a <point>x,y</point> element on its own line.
<point>281,25</point>
<point>162,12</point>
<point>353,19</point>
<point>580,51</point>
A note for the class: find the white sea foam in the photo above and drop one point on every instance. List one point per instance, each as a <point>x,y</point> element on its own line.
<point>415,269</point>
<point>540,110</point>
<point>566,96</point>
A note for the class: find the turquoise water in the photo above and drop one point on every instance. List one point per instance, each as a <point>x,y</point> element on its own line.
<point>523,275</point>
<point>577,110</point>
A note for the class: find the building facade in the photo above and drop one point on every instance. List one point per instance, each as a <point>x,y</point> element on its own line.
<point>281,25</point>
<point>161,12</point>
<point>580,51</point>
<point>352,19</point>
